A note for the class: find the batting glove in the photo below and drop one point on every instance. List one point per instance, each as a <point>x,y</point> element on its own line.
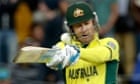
<point>65,57</point>
<point>72,55</point>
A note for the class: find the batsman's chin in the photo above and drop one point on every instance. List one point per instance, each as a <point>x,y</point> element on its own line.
<point>84,39</point>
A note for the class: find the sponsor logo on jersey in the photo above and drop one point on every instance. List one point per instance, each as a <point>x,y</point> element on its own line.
<point>111,44</point>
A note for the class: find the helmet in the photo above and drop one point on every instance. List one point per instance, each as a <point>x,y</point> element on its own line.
<point>78,12</point>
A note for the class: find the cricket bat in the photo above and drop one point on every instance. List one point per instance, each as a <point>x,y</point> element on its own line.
<point>31,54</point>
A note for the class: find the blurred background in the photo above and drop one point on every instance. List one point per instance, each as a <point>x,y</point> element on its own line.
<point>41,22</point>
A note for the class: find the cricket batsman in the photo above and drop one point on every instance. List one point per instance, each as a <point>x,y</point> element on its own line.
<point>84,57</point>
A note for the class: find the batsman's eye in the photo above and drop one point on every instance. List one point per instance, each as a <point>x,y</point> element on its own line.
<point>86,23</point>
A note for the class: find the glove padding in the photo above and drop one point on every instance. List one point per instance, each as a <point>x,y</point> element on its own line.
<point>64,57</point>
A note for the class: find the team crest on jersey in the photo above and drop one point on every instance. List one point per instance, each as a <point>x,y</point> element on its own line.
<point>112,45</point>
<point>78,12</point>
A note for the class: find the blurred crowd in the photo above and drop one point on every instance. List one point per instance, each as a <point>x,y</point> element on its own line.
<point>41,23</point>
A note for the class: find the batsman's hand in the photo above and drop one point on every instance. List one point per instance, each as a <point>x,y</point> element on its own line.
<point>72,54</point>
<point>64,57</point>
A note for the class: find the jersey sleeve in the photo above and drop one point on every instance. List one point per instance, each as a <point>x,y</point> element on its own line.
<point>60,45</point>
<point>107,51</point>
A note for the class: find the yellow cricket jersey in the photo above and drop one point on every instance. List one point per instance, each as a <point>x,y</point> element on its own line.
<point>98,63</point>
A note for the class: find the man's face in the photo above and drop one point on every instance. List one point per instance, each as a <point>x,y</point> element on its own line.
<point>84,31</point>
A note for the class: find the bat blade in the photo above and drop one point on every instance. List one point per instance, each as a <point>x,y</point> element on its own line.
<point>32,54</point>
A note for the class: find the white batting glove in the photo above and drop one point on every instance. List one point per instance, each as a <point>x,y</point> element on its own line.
<point>65,57</point>
<point>55,59</point>
<point>72,55</point>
